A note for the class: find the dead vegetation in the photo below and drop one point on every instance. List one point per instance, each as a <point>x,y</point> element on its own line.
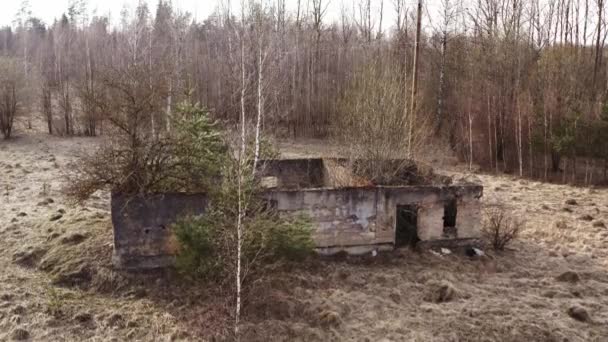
<point>67,289</point>
<point>12,85</point>
<point>375,133</point>
<point>501,227</point>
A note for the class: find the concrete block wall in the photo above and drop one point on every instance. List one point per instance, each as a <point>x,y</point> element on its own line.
<point>355,219</point>
<point>142,227</point>
<point>342,217</point>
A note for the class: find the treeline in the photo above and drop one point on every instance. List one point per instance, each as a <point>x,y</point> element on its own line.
<point>511,85</point>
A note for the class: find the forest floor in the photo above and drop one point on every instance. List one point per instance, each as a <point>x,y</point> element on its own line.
<point>57,281</point>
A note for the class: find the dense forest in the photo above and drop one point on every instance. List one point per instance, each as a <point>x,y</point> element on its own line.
<point>517,86</point>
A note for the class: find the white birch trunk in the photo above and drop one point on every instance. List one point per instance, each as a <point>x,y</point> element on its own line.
<point>414,80</point>
<point>546,150</point>
<point>239,237</point>
<point>152,124</point>
<point>441,79</point>
<point>243,92</point>
<point>260,105</point>
<point>490,148</point>
<point>239,226</point>
<point>520,157</point>
<point>530,152</point>
<point>169,100</point>
<point>470,137</point>
<point>586,171</point>
<point>496,142</point>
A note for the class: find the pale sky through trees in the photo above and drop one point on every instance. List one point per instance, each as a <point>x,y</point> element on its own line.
<point>48,10</point>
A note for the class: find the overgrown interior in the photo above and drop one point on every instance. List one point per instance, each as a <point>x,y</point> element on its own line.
<point>333,173</point>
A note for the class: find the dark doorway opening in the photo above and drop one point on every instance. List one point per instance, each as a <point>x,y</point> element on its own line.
<point>450,212</point>
<point>406,232</point>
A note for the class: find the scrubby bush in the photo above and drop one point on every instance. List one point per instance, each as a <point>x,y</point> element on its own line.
<point>501,227</point>
<point>291,239</point>
<point>199,248</point>
<point>188,158</point>
<point>207,243</point>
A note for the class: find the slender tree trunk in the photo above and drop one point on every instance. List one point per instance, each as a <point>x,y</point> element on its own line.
<point>415,79</point>
<point>47,106</point>
<point>490,148</point>
<point>261,60</point>
<point>470,136</point>
<point>585,23</point>
<point>294,93</point>
<point>169,103</point>
<point>242,156</point>
<point>444,43</point>
<point>243,93</point>
<point>309,76</point>
<point>574,168</point>
<point>598,48</point>
<point>496,152</point>
<point>546,145</point>
<point>520,157</point>
<point>239,233</point>
<point>405,92</point>
<point>586,171</point>
<point>152,123</point>
<point>89,73</point>
<point>531,163</point>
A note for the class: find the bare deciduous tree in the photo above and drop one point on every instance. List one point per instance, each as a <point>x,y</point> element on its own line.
<point>12,86</point>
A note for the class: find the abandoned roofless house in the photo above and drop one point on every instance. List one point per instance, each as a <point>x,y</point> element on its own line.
<point>347,213</point>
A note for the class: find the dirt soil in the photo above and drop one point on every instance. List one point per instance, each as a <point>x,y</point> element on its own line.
<point>57,282</point>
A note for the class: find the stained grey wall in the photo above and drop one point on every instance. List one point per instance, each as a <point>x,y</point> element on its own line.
<point>354,217</point>
<point>142,227</point>
<point>351,219</point>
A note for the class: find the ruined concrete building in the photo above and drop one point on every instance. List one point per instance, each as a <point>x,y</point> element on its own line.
<point>348,213</point>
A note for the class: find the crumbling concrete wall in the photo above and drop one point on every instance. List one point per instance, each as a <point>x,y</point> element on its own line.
<point>142,227</point>
<point>360,219</point>
<point>431,201</point>
<point>355,220</point>
<point>341,217</point>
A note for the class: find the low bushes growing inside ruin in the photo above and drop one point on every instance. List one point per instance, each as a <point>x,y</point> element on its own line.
<point>376,136</point>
